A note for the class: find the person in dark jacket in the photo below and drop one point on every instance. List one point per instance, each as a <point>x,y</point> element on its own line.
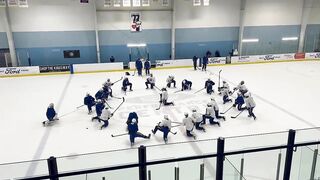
<point>186,85</point>
<point>132,115</point>
<point>134,132</point>
<point>209,86</point>
<point>99,94</point>
<point>147,66</point>
<point>89,102</point>
<point>112,59</point>
<point>126,83</point>
<point>195,59</point>
<point>239,101</point>
<point>51,114</point>
<point>99,107</point>
<point>139,67</point>
<point>204,63</point>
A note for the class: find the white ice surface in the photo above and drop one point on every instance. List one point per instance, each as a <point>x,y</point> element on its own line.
<point>285,93</point>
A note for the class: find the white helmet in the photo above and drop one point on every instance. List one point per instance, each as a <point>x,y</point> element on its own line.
<point>247,94</point>
<point>133,121</point>
<point>194,110</point>
<point>186,114</point>
<point>166,116</point>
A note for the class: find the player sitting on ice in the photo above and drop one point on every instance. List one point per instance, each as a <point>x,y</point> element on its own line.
<point>126,83</point>
<point>99,107</point>
<point>216,109</point>
<point>89,102</point>
<point>51,115</point>
<point>147,66</point>
<point>164,97</point>
<point>134,132</point>
<point>189,125</point>
<point>239,101</point>
<point>209,86</point>
<point>163,126</point>
<point>225,95</point>
<point>105,116</point>
<point>150,80</point>
<point>209,115</point>
<point>241,87</point>
<point>170,80</point>
<point>250,104</point>
<point>186,85</point>
<point>197,118</point>
<point>139,67</point>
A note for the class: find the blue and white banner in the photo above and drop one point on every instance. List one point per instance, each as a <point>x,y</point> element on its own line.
<point>314,55</point>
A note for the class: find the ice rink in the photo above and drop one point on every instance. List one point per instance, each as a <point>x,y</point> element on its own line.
<point>286,95</point>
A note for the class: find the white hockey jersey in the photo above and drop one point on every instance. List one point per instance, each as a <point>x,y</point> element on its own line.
<point>188,123</point>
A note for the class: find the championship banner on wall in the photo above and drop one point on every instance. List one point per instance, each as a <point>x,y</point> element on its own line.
<point>135,22</point>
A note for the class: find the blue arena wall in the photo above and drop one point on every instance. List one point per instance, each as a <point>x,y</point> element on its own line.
<point>270,39</point>
<point>46,48</point>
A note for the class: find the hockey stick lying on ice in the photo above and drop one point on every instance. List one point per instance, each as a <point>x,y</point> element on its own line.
<point>227,110</point>
<point>117,135</point>
<point>199,90</point>
<point>56,119</point>
<point>237,114</point>
<point>116,97</point>
<point>119,105</point>
<point>157,87</point>
<point>80,106</point>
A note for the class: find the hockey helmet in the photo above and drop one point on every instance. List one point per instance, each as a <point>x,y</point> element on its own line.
<point>166,116</point>
<point>51,105</point>
<point>133,121</point>
<point>242,82</point>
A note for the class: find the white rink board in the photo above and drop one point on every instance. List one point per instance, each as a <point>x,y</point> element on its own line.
<point>97,67</point>
<point>11,71</point>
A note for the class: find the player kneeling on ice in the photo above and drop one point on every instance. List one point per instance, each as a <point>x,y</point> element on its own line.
<point>99,107</point>
<point>134,132</point>
<point>225,86</point>
<point>51,115</point>
<point>241,87</point>
<point>171,80</point>
<point>250,104</point>
<point>89,102</point>
<point>126,83</point>
<point>107,87</point>
<point>163,126</point>
<point>209,86</point>
<point>197,118</point>
<point>105,116</point>
<point>209,115</point>
<point>164,97</point>
<point>216,109</point>
<point>225,95</point>
<point>189,124</point>
<point>150,80</point>
<point>239,101</point>
<point>186,85</point>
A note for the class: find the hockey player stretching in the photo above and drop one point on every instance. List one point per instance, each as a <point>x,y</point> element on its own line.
<point>163,126</point>
<point>164,97</point>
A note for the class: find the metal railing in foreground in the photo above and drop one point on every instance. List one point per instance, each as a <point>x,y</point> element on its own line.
<point>216,165</point>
